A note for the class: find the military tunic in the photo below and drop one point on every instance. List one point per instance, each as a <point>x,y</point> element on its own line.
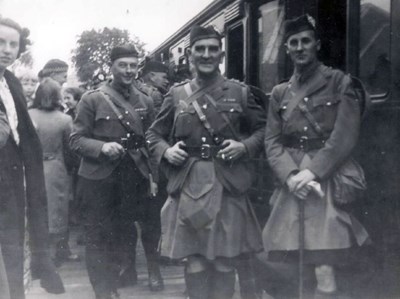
<point>153,93</point>
<point>111,190</point>
<point>208,212</point>
<point>331,100</point>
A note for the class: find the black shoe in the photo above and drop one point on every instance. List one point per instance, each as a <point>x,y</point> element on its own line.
<point>52,283</point>
<point>127,277</point>
<point>156,283</point>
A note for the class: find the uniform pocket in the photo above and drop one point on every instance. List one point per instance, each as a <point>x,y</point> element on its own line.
<point>105,123</point>
<point>232,110</point>
<point>327,102</point>
<point>186,119</point>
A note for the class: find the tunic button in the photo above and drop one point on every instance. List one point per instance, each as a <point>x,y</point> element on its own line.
<point>128,123</point>
<point>107,118</point>
<point>306,99</point>
<point>232,110</point>
<point>305,128</point>
<point>284,107</point>
<point>126,112</point>
<point>328,104</point>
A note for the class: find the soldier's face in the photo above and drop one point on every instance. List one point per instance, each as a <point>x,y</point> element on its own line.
<point>206,55</point>
<point>303,48</point>
<point>9,46</point>
<point>124,70</point>
<point>160,80</point>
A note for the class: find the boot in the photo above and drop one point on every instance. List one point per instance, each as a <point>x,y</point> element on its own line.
<point>156,282</point>
<point>249,288</point>
<point>197,284</point>
<point>223,285</point>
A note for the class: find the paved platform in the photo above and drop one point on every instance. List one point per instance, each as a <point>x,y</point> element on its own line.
<point>77,283</point>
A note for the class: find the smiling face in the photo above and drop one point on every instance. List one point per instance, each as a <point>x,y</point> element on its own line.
<point>206,55</point>
<point>302,48</point>
<point>69,100</point>
<point>124,70</point>
<point>9,46</point>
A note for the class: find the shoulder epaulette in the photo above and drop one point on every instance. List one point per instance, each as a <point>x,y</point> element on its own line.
<point>143,90</point>
<point>92,91</point>
<point>181,83</point>
<point>237,82</point>
<point>284,80</point>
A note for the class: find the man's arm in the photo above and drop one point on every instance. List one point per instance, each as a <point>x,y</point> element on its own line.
<point>81,139</point>
<point>254,121</point>
<point>279,159</point>
<point>159,132</point>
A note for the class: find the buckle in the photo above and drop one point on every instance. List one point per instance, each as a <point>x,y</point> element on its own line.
<point>205,151</point>
<point>303,143</point>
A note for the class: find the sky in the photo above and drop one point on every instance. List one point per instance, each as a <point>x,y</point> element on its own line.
<point>56,24</point>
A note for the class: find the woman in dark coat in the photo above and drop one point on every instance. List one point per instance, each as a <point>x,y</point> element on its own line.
<point>21,176</point>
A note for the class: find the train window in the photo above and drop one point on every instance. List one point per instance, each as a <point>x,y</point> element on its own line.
<point>270,35</point>
<point>235,52</point>
<point>374,56</point>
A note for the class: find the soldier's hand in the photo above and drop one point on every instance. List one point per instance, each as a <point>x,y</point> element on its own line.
<point>175,154</point>
<point>112,150</point>
<point>303,192</point>
<point>299,180</point>
<point>232,150</point>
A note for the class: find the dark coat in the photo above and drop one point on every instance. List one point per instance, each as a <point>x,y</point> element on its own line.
<point>177,121</point>
<point>96,123</point>
<point>13,158</point>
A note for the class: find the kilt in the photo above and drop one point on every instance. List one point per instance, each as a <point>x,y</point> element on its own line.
<point>206,220</point>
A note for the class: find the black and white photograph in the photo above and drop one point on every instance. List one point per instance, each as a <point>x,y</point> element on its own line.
<point>199,149</point>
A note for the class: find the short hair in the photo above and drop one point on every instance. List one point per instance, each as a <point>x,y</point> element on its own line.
<point>24,41</point>
<point>23,72</point>
<point>76,92</point>
<point>48,95</point>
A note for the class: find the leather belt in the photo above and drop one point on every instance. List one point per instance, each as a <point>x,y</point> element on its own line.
<point>205,151</point>
<point>133,142</point>
<point>303,143</point>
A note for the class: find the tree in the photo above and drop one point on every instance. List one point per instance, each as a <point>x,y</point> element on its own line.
<point>91,56</point>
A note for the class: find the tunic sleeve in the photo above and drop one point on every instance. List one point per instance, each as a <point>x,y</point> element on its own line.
<point>158,134</point>
<point>254,123</point>
<point>81,140</point>
<point>279,159</point>
<point>344,135</point>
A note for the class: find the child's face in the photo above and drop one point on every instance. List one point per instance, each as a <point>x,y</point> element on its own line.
<point>29,86</point>
<point>69,100</point>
